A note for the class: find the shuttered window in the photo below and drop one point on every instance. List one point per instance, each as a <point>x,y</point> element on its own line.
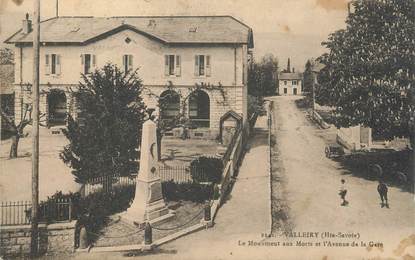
<point>88,62</point>
<point>172,65</point>
<point>202,65</point>
<point>127,62</point>
<point>53,64</point>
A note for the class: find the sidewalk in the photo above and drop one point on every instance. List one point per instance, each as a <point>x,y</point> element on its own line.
<point>244,216</point>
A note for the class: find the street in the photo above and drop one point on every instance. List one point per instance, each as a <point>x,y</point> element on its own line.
<point>309,183</point>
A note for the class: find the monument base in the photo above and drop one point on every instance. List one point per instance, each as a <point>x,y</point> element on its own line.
<point>148,205</point>
<point>157,214</point>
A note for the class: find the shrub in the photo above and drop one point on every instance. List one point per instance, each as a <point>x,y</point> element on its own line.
<point>207,169</point>
<point>194,192</point>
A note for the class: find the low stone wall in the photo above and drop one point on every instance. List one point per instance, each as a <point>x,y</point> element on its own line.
<point>317,117</point>
<point>53,238</point>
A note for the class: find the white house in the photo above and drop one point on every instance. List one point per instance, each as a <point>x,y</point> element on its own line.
<point>290,83</point>
<point>181,50</point>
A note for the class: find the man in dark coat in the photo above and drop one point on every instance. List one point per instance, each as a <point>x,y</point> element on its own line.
<point>383,193</point>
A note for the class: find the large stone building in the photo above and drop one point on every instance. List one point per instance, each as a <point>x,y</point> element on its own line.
<point>180,51</point>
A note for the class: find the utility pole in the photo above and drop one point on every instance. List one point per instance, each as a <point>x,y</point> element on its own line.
<point>35,129</point>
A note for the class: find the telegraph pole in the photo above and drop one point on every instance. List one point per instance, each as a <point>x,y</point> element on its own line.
<point>35,129</point>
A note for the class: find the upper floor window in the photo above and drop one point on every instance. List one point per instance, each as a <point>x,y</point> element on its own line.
<point>202,65</point>
<point>88,62</point>
<point>172,65</point>
<point>53,64</point>
<point>285,82</point>
<point>294,82</point>
<point>127,62</point>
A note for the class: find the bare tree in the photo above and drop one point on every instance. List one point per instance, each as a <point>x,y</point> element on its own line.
<point>17,129</point>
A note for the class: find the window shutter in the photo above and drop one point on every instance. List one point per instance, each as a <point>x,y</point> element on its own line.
<point>196,65</point>
<point>47,64</point>
<point>94,61</point>
<point>130,62</point>
<point>58,64</point>
<point>166,65</point>
<point>178,66</point>
<point>208,66</point>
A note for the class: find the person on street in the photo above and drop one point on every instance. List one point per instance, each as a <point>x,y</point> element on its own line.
<point>383,193</point>
<point>343,192</point>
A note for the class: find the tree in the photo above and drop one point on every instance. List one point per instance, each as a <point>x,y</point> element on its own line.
<point>6,56</point>
<point>263,77</point>
<point>104,140</point>
<point>369,73</point>
<point>308,77</point>
<point>16,130</point>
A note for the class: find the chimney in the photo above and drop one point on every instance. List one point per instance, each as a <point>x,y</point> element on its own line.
<point>288,66</point>
<point>26,25</point>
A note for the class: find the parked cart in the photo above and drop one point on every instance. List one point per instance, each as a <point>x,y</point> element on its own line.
<point>334,151</point>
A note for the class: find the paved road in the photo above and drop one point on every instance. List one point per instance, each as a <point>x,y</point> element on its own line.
<point>311,183</point>
<point>244,216</point>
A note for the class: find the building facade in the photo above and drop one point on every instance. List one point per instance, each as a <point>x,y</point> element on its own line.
<point>178,51</point>
<point>290,83</point>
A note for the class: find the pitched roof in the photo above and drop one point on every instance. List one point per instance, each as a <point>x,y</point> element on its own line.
<point>290,76</point>
<point>167,29</point>
<point>317,66</point>
<point>6,78</point>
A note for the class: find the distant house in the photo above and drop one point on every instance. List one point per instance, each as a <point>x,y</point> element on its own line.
<point>181,50</point>
<point>290,82</point>
<point>6,92</point>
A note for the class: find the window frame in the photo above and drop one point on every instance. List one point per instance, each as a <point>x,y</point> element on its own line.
<point>53,64</point>
<point>92,62</point>
<point>127,62</point>
<point>203,69</point>
<point>172,65</point>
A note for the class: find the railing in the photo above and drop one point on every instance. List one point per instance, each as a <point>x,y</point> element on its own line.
<point>177,174</point>
<point>19,213</point>
<point>180,174</point>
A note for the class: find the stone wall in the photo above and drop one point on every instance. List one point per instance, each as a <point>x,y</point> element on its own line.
<point>53,238</point>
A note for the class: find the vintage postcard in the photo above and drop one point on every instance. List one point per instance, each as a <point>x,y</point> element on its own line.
<point>222,129</point>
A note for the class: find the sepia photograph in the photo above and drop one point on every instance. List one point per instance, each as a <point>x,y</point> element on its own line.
<point>211,130</point>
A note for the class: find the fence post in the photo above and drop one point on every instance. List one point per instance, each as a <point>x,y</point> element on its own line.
<point>70,209</point>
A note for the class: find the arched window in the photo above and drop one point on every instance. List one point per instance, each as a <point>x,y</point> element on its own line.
<point>57,107</point>
<point>199,109</point>
<point>169,104</point>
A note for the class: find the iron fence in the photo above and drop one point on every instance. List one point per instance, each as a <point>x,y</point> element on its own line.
<point>176,174</point>
<point>19,212</point>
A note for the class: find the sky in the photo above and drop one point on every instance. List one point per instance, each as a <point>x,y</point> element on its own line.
<point>284,28</point>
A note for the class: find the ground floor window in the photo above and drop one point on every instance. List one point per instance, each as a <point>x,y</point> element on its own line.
<point>285,90</point>
<point>57,107</point>
<point>199,109</point>
<point>294,91</point>
<point>169,104</point>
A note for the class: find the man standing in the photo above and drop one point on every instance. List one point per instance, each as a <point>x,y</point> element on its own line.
<point>383,193</point>
<point>343,192</point>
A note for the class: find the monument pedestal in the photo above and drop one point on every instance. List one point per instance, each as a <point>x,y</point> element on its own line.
<point>148,204</point>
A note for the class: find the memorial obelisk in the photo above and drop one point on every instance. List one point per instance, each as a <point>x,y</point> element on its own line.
<point>148,204</point>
